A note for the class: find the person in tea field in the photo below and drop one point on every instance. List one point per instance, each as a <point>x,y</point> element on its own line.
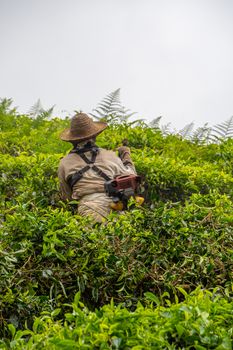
<point>84,171</point>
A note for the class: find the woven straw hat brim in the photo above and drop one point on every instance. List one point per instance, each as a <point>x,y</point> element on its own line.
<point>66,134</point>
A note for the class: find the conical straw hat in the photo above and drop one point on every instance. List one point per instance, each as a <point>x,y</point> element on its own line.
<point>82,128</point>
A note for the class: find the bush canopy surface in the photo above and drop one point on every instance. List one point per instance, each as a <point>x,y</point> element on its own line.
<point>156,277</point>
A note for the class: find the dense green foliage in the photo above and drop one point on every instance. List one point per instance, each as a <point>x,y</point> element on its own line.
<point>148,261</point>
<point>202,321</point>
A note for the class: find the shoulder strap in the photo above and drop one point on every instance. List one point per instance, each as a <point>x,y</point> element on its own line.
<point>77,176</point>
<point>72,179</point>
<point>93,157</point>
<point>101,173</point>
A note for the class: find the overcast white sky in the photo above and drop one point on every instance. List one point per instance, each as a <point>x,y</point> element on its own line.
<point>169,57</point>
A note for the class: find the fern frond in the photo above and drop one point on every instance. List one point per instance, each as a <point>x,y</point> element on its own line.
<point>202,134</point>
<point>5,104</point>
<point>45,114</point>
<point>186,131</point>
<point>110,105</point>
<point>166,129</point>
<point>110,109</point>
<point>124,114</point>
<point>222,131</point>
<point>39,113</point>
<point>138,122</point>
<point>36,109</point>
<point>155,123</point>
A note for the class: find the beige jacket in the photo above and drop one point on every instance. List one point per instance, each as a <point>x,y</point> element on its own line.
<point>89,190</point>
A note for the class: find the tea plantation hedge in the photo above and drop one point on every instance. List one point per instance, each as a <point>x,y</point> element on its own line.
<point>156,277</point>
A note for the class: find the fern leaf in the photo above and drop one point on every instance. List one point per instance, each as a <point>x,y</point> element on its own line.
<point>5,104</point>
<point>166,129</point>
<point>186,131</point>
<point>36,109</point>
<point>138,122</point>
<point>45,114</point>
<point>223,131</point>
<point>110,105</point>
<point>155,123</point>
<point>202,134</point>
<point>110,109</point>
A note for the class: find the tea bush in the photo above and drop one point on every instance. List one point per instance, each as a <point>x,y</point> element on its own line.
<point>202,321</point>
<point>180,240</point>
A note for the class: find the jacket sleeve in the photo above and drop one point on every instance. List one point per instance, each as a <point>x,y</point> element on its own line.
<point>65,190</point>
<point>124,154</point>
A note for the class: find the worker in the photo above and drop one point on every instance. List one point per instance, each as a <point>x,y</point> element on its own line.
<point>83,172</point>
